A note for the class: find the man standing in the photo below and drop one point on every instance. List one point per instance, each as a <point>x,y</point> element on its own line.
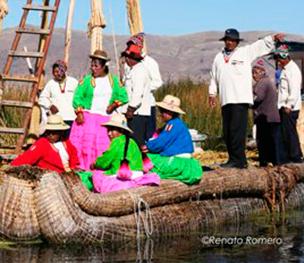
<point>139,92</point>
<point>289,103</point>
<point>231,74</point>
<point>152,67</point>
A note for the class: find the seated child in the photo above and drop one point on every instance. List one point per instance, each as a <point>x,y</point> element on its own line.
<point>171,151</point>
<point>109,174</point>
<point>50,151</point>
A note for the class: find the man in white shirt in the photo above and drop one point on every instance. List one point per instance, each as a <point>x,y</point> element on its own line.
<point>57,95</point>
<point>289,103</point>
<point>152,67</point>
<point>231,74</point>
<point>139,92</point>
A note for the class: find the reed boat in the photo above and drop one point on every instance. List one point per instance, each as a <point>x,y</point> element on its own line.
<point>36,203</point>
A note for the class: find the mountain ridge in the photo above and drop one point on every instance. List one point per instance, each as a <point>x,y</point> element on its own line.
<point>179,57</point>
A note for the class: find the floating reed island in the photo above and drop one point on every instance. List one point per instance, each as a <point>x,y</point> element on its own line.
<point>35,203</point>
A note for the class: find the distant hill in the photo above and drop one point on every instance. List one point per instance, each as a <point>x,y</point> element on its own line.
<point>178,56</point>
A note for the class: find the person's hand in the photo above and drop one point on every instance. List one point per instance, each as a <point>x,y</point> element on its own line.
<point>130,112</point>
<point>54,109</point>
<point>111,108</point>
<point>280,37</point>
<point>287,110</point>
<point>92,166</point>
<point>79,118</point>
<point>212,101</point>
<point>144,148</point>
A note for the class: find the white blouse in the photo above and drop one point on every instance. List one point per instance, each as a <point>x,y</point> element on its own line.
<point>102,95</point>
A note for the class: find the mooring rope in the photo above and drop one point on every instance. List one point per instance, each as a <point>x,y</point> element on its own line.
<point>146,219</point>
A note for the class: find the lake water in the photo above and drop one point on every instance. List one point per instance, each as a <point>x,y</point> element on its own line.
<point>258,240</point>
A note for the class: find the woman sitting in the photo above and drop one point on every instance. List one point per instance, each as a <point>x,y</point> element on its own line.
<point>50,151</point>
<point>171,151</point>
<point>121,166</point>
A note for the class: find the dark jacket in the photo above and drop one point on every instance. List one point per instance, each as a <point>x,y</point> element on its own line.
<point>266,100</point>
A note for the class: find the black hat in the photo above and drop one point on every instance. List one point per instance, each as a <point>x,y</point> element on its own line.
<point>232,34</point>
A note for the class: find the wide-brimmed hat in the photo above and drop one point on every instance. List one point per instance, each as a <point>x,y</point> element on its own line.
<point>55,122</point>
<point>282,51</point>
<point>100,54</point>
<point>231,33</point>
<point>118,120</point>
<point>171,103</point>
<point>133,52</point>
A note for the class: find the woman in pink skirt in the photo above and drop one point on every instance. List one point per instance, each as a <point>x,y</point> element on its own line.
<point>98,94</point>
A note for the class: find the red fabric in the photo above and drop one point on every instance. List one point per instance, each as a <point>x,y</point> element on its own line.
<point>44,155</point>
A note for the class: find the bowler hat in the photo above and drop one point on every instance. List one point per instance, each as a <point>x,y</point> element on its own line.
<point>100,54</point>
<point>231,33</point>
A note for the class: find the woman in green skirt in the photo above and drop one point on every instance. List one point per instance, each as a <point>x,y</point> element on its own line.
<point>170,150</point>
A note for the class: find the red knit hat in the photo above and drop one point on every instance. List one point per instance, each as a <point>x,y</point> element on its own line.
<point>137,40</point>
<point>133,51</point>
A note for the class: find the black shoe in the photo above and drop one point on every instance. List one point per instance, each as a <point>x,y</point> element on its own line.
<point>227,164</point>
<point>241,166</point>
<point>234,165</point>
<point>297,161</point>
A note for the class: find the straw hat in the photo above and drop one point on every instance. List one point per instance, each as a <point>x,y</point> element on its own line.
<point>55,122</point>
<point>100,54</point>
<point>171,103</point>
<point>118,120</point>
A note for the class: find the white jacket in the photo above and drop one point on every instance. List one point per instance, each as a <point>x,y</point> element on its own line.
<point>52,95</point>
<point>290,87</point>
<point>153,69</point>
<point>154,73</point>
<point>139,89</point>
<point>234,78</point>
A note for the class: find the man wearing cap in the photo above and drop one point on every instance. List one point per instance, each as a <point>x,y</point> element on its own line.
<point>138,87</point>
<point>289,103</point>
<point>231,74</point>
<point>152,67</point>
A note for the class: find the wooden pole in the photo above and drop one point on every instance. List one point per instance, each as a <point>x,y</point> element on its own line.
<point>95,25</point>
<point>68,31</point>
<point>114,42</point>
<point>134,18</point>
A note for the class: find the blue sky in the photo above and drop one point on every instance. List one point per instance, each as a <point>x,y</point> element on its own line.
<point>178,17</point>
